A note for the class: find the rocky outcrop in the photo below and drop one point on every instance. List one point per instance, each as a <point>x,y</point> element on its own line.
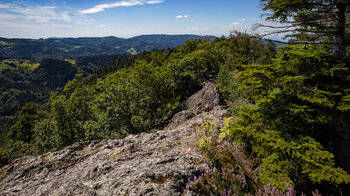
<point>156,163</point>
<point>205,100</point>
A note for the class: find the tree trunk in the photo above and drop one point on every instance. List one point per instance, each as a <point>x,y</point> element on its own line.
<point>341,147</point>
<point>341,144</point>
<point>339,36</point>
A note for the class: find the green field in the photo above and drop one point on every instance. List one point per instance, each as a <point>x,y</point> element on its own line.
<point>71,61</point>
<point>29,65</point>
<point>5,66</point>
<point>132,51</point>
<point>2,43</point>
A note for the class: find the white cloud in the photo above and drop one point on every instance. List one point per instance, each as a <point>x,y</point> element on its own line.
<point>128,3</point>
<point>39,19</point>
<point>182,16</point>
<point>66,17</point>
<point>197,29</point>
<point>49,7</point>
<point>155,1</point>
<point>5,6</point>
<point>242,19</point>
<point>235,24</point>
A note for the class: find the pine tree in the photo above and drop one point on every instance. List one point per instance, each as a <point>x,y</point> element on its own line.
<point>316,21</point>
<point>310,20</point>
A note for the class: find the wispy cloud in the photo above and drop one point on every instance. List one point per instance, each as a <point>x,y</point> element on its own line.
<point>7,17</point>
<point>30,20</point>
<point>39,14</point>
<point>155,1</point>
<point>197,29</point>
<point>182,16</point>
<point>129,3</point>
<point>234,26</point>
<point>5,6</point>
<point>242,19</point>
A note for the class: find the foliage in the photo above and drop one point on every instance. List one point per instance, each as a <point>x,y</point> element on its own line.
<point>288,117</point>
<point>305,16</point>
<point>22,133</point>
<point>270,190</point>
<point>91,64</point>
<point>21,85</point>
<point>54,73</point>
<point>242,49</point>
<point>310,21</point>
<point>5,124</point>
<point>226,182</point>
<point>218,182</point>
<point>23,129</point>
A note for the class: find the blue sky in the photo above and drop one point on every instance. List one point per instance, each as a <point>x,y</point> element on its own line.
<point>125,18</point>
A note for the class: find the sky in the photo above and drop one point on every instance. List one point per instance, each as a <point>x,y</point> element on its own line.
<point>125,18</point>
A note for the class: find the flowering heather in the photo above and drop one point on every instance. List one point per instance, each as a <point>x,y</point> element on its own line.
<point>227,183</point>
<point>213,181</point>
<point>270,190</point>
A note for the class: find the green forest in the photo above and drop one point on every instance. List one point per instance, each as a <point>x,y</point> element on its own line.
<point>33,80</point>
<point>289,105</point>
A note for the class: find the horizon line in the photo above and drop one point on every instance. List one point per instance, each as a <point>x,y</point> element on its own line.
<point>122,37</point>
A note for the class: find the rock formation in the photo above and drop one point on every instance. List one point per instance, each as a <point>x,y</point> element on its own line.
<point>158,163</point>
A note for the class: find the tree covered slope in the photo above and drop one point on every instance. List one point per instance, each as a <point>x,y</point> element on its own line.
<point>87,46</point>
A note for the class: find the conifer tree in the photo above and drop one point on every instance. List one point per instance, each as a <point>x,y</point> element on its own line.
<point>310,20</point>
<point>314,22</point>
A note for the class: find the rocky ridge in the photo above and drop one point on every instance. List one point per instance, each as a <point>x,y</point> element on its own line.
<point>158,163</point>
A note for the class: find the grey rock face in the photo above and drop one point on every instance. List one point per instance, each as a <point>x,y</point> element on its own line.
<point>157,163</point>
<point>204,100</point>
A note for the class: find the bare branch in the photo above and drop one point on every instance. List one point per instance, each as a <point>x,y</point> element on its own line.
<point>291,42</point>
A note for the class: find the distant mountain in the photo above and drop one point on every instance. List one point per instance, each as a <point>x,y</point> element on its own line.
<point>169,40</point>
<point>86,46</point>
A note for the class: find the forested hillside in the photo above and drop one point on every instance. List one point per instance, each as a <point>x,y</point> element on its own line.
<point>33,80</point>
<point>283,103</point>
<point>87,46</point>
<point>169,40</point>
